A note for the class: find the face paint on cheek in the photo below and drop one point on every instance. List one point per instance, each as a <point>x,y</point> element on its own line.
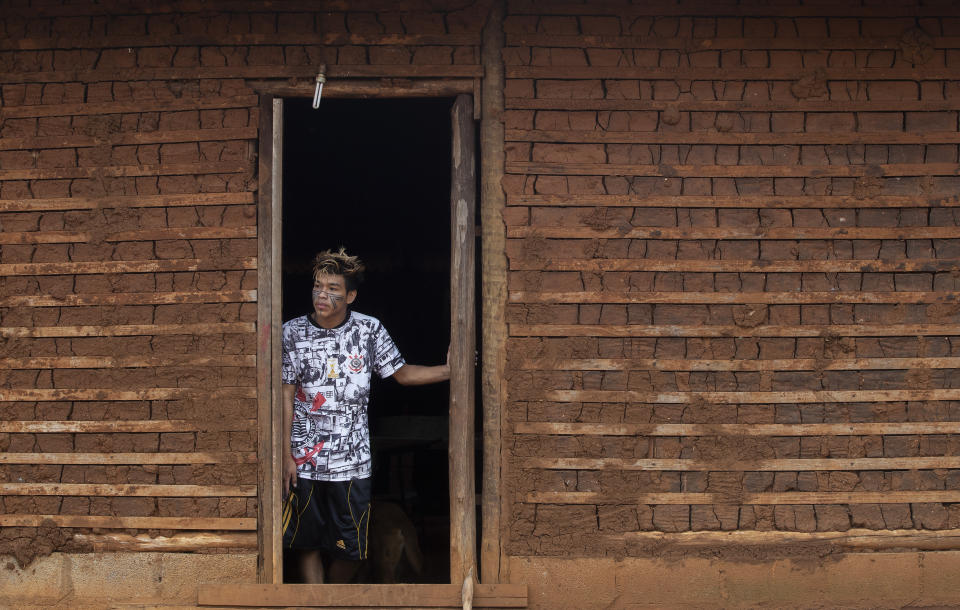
<point>335,299</point>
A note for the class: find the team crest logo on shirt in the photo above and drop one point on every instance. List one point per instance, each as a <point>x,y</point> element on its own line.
<point>355,363</point>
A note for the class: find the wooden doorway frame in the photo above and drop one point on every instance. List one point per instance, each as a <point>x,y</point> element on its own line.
<point>463,559</point>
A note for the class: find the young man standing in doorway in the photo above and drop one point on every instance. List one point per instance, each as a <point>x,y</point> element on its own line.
<point>328,357</point>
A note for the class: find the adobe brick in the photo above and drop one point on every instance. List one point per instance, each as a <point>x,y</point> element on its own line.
<point>600,26</point>
<point>585,185</point>
<point>892,90</point>
<point>117,58</point>
<point>645,58</point>
<point>583,89</point>
<point>437,55</point>
<point>931,121</point>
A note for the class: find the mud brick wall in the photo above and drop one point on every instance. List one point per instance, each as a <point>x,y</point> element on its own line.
<point>733,242</point>
<point>128,268</point>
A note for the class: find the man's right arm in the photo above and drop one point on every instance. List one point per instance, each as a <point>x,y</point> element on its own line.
<point>289,467</point>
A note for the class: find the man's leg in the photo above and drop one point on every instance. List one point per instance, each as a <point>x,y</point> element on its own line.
<point>343,570</point>
<point>311,567</point>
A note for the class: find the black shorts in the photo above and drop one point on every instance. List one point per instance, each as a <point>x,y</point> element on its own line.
<point>332,516</point>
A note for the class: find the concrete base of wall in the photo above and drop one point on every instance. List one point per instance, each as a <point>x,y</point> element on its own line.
<point>104,580</point>
<point>874,580</point>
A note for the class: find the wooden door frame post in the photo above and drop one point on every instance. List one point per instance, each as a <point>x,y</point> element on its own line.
<point>494,286</point>
<point>463,184</point>
<point>269,437</point>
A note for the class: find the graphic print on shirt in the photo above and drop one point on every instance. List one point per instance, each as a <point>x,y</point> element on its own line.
<point>330,439</point>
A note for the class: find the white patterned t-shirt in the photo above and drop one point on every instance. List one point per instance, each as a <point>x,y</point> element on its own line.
<point>331,368</point>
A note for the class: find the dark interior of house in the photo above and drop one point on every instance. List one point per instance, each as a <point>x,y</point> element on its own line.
<point>374,176</point>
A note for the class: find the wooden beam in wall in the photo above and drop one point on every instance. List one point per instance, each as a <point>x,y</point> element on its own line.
<point>858,539</point>
<point>234,457</point>
<point>719,43</point>
<point>125,426</point>
<point>117,522</point>
<point>730,138</point>
<point>129,298</point>
<point>129,138</point>
<point>762,499</point>
<point>131,490</point>
<point>911,265</point>
<point>130,266</point>
<point>730,233</point>
<point>759,465</point>
<point>732,398</point>
<point>863,170</point>
<point>739,106</point>
<point>109,394</point>
<point>119,171</point>
<point>753,429</point>
<point>362,596</point>
<point>730,331</point>
<point>588,73</point>
<point>701,364</point>
<point>183,542</point>
<point>125,201</point>
<point>129,107</point>
<point>730,298</point>
<point>334,71</point>
<point>246,39</point>
<point>174,233</point>
<point>127,330</point>
<point>743,201</point>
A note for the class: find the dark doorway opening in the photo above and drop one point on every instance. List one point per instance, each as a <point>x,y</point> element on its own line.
<point>374,176</point>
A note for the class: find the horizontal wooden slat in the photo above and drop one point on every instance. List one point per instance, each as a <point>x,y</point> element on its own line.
<point>742,202</point>
<point>138,7</point>
<point>128,330</point>
<point>771,465</point>
<point>119,171</point>
<point>694,105</point>
<point>60,237</point>
<point>142,266</point>
<point>780,364</point>
<point>717,298</point>
<point>108,394</point>
<point>131,426</point>
<point>926,265</point>
<point>727,8</point>
<point>129,298</point>
<point>146,105</point>
<point>245,39</point>
<point>731,138</point>
<point>725,74</point>
<point>754,429</point>
<point>728,233</point>
<point>246,72</point>
<point>731,398</point>
<point>365,596</point>
<point>120,362</point>
<point>132,490</point>
<point>117,522</point>
<point>721,43</point>
<point>709,330</point>
<point>178,542</point>
<point>129,138</point>
<point>129,458</point>
<point>851,540</point>
<point>125,201</point>
<point>732,171</point>
<point>765,498</point>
